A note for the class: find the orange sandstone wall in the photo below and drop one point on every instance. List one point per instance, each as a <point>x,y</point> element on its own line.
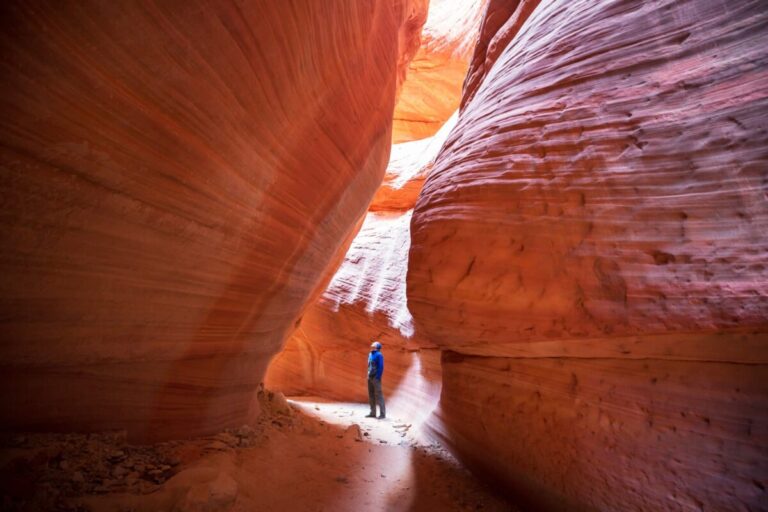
<point>590,251</point>
<point>432,91</point>
<point>177,178</point>
<point>365,300</point>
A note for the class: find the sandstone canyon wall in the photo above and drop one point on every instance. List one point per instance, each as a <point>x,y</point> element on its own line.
<point>177,178</point>
<point>366,300</point>
<point>590,252</point>
<point>432,90</point>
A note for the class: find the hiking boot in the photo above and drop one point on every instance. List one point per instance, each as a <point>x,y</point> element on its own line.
<point>372,415</point>
<point>381,417</point>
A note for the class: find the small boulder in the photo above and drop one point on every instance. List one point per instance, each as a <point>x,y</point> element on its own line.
<point>280,404</point>
<point>353,432</point>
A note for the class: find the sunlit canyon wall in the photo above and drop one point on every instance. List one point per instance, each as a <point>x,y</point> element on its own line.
<point>365,300</point>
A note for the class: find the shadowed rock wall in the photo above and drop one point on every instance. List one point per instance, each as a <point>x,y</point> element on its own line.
<point>590,251</point>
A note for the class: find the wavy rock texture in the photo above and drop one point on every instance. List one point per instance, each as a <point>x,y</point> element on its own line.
<point>177,178</point>
<point>432,91</point>
<point>590,249</point>
<point>366,300</point>
<point>409,164</point>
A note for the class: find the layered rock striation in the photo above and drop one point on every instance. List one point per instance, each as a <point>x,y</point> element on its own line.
<point>177,180</point>
<point>365,301</point>
<point>432,90</point>
<point>590,252</point>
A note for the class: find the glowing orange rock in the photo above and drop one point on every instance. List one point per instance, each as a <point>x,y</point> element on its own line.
<point>176,182</point>
<point>432,90</point>
<point>365,300</point>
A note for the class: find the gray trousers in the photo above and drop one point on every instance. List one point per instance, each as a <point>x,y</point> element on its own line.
<point>375,395</point>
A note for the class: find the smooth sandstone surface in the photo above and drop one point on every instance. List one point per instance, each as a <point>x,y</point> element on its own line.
<point>590,250</point>
<point>409,164</point>
<point>178,178</point>
<point>432,90</point>
<point>365,301</point>
<point>575,433</point>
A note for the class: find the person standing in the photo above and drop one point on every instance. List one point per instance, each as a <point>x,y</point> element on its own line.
<point>375,371</point>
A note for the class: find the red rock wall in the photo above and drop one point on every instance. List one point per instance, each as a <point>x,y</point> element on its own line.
<point>579,433</point>
<point>591,249</point>
<point>177,178</point>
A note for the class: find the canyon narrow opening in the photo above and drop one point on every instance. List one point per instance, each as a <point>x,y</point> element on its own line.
<point>537,228</point>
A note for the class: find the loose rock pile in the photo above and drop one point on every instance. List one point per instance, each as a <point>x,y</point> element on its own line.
<point>56,466</point>
<point>45,471</point>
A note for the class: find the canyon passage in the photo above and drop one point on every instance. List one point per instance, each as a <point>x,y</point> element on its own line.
<point>552,214</point>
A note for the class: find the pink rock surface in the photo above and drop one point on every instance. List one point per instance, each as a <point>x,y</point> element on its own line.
<point>177,179</point>
<point>576,433</point>
<point>611,193</point>
<point>599,211</point>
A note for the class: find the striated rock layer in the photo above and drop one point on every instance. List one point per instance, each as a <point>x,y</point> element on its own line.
<point>590,250</point>
<point>433,89</point>
<point>580,433</point>
<point>177,180</point>
<point>366,301</point>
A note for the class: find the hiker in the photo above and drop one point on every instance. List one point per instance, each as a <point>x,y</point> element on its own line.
<point>375,371</point>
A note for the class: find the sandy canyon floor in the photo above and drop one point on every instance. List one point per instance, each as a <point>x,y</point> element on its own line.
<point>305,454</point>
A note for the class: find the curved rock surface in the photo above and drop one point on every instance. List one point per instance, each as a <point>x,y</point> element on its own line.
<point>590,251</point>
<point>176,181</point>
<point>409,164</point>
<point>433,89</point>
<point>365,300</point>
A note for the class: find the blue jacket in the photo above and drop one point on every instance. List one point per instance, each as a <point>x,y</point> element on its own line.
<point>375,364</point>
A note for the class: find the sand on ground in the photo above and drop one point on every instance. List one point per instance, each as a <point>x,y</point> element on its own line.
<point>305,454</point>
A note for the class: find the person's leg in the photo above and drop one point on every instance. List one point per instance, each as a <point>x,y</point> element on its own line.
<point>371,397</point>
<point>380,399</point>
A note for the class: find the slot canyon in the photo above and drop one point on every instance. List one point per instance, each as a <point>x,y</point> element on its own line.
<point>552,214</point>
